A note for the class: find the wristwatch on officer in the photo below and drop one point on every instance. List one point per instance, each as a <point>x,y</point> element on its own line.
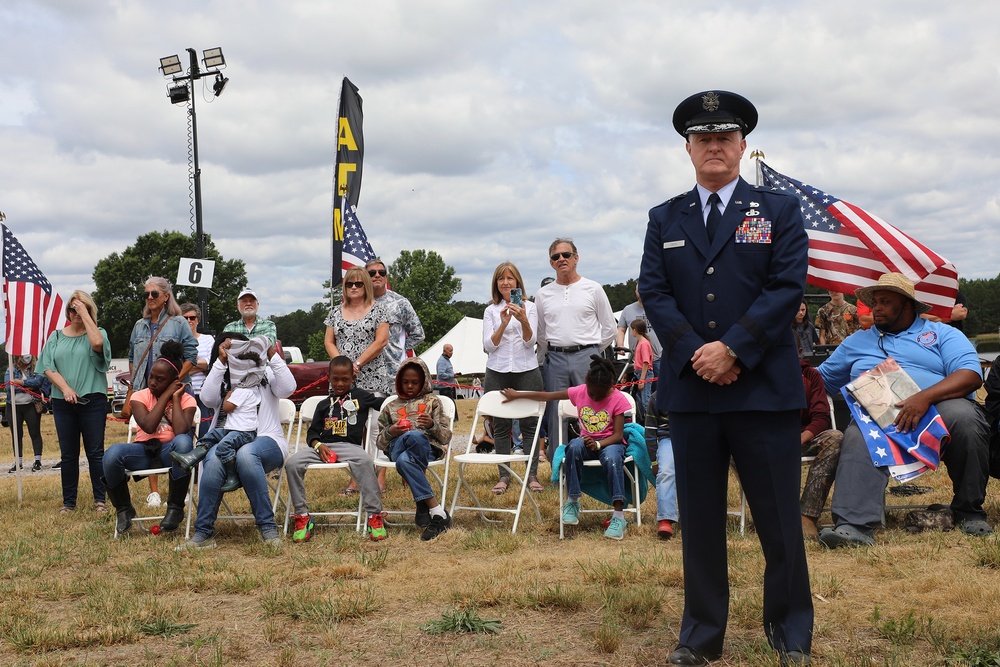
<point>730,352</point>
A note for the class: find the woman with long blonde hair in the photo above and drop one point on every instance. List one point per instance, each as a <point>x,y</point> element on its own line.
<point>359,329</point>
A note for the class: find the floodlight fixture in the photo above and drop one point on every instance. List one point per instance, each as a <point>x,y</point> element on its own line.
<point>170,65</point>
<point>179,94</point>
<point>220,83</point>
<point>214,58</point>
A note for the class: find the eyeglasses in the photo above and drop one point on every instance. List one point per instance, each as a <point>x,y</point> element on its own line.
<point>354,283</point>
<point>190,318</point>
<point>380,272</point>
<point>154,294</point>
<point>564,255</point>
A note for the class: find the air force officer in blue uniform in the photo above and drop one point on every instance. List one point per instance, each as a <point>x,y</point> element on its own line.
<point>723,272</point>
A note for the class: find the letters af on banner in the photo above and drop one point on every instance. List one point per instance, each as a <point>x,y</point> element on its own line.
<point>195,272</point>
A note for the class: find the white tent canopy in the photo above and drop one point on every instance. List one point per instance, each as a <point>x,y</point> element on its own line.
<point>467,339</point>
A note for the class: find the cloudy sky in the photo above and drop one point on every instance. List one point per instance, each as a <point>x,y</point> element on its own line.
<point>490,127</point>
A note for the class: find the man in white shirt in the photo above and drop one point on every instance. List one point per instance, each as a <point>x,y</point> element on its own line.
<point>575,320</point>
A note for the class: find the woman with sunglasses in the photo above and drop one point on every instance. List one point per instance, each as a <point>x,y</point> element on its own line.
<point>76,360</point>
<point>359,329</point>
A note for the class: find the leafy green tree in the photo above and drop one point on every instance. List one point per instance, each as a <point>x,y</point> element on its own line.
<point>983,298</point>
<point>316,346</point>
<point>120,276</point>
<point>423,278</point>
<point>472,309</point>
<point>621,294</point>
<point>296,328</point>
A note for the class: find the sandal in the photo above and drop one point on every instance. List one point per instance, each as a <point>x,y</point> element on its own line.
<point>100,508</point>
<point>501,486</point>
<point>347,493</point>
<point>66,509</point>
<point>534,485</point>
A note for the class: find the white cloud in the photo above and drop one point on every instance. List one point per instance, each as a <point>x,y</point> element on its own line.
<point>490,127</point>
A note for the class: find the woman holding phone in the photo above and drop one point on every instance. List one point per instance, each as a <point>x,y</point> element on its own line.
<point>509,325</point>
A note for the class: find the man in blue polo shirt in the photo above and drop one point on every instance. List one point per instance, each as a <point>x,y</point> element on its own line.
<point>943,363</point>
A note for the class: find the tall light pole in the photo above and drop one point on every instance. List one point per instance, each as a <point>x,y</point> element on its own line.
<point>180,92</point>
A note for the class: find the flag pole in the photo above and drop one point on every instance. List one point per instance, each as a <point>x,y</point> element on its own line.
<point>13,429</point>
<point>758,155</point>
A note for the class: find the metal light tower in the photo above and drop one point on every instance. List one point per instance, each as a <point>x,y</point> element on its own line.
<point>180,92</point>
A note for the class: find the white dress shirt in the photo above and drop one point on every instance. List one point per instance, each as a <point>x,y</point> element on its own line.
<point>513,354</point>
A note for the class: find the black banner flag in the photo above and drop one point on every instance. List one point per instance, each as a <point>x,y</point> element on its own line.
<point>347,172</point>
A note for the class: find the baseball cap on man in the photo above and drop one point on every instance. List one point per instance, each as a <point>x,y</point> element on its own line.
<point>245,291</point>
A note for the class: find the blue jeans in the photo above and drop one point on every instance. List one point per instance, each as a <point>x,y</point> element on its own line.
<point>666,484</point>
<point>226,442</point>
<point>411,452</point>
<point>73,421</point>
<point>133,456</point>
<point>253,462</point>
<point>642,402</point>
<point>612,459</point>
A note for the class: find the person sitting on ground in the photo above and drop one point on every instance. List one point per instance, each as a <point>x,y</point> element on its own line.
<point>944,365</point>
<point>601,409</point>
<point>239,411</point>
<point>336,434</point>
<point>661,453</point>
<point>821,441</point>
<point>413,430</point>
<point>164,413</point>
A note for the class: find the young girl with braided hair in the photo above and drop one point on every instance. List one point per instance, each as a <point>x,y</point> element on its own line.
<point>164,413</point>
<point>601,409</point>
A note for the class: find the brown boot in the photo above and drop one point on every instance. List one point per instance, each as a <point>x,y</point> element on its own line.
<point>810,531</point>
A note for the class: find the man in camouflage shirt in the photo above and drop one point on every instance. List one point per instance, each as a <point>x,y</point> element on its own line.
<point>836,320</point>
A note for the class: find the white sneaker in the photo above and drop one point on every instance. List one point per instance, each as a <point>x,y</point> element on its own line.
<point>153,500</point>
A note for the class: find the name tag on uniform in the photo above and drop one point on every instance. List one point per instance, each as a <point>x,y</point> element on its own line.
<point>673,244</point>
<point>754,230</point>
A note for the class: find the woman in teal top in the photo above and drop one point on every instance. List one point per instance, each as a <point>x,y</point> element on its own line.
<point>76,360</point>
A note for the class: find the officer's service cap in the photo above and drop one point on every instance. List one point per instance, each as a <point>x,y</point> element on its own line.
<point>715,111</point>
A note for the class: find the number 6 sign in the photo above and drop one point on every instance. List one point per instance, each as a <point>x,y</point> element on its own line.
<point>195,272</point>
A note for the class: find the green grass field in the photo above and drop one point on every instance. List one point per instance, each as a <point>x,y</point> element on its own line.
<point>70,595</point>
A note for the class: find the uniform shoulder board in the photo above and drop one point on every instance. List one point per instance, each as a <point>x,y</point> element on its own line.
<point>676,197</point>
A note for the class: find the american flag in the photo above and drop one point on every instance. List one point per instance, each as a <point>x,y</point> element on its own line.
<point>850,248</point>
<point>357,250</point>
<point>33,310</point>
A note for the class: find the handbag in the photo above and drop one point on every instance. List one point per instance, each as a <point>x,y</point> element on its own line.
<point>126,412</point>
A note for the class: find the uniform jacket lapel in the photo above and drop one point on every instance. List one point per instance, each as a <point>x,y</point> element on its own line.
<point>694,222</point>
<point>736,210</point>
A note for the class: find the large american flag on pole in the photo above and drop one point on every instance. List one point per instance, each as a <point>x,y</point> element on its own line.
<point>357,251</point>
<point>850,247</point>
<point>34,311</point>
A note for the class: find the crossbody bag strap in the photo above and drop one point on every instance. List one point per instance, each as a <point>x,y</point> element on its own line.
<point>148,349</point>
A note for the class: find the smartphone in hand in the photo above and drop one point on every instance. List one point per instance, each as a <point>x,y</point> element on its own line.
<point>517,297</point>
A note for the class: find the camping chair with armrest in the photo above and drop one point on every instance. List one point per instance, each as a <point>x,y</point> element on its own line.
<point>492,404</point>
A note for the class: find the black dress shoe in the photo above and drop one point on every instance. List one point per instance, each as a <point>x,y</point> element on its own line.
<point>688,656</point>
<point>795,658</point>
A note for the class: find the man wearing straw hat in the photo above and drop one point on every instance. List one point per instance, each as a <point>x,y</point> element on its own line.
<point>943,363</point>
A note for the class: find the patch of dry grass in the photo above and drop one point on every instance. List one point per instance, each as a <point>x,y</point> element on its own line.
<point>70,595</point>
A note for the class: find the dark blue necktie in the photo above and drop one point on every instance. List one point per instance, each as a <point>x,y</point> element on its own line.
<point>714,216</point>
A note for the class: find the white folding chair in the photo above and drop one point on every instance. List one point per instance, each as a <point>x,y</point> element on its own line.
<point>449,410</point>
<point>286,415</point>
<point>491,404</point>
<point>567,410</point>
<point>133,428</point>
<point>305,417</point>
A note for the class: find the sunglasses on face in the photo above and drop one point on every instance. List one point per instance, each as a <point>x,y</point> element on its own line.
<point>380,272</point>
<point>352,283</point>
<point>564,255</point>
<point>190,318</point>
<point>154,294</point>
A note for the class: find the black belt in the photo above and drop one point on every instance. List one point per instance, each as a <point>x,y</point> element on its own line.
<point>571,348</point>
